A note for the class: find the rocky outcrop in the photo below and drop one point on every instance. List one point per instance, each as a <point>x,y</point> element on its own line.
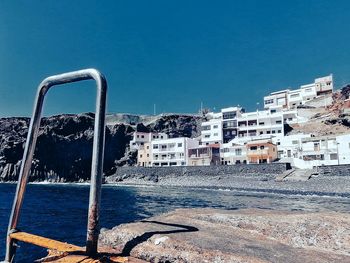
<point>64,146</point>
<point>250,235</point>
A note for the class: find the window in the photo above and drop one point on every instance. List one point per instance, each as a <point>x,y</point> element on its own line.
<point>163,146</point>
<point>147,147</point>
<point>238,152</point>
<point>216,134</point>
<point>262,147</point>
<point>207,136</point>
<point>316,146</point>
<point>261,123</point>
<point>147,154</point>
<point>140,155</point>
<point>278,122</point>
<point>138,136</point>
<point>142,136</point>
<point>206,127</point>
<point>155,146</point>
<point>270,101</point>
<point>278,143</point>
<point>273,131</point>
<point>229,124</point>
<point>229,115</point>
<point>253,148</point>
<point>333,156</point>
<point>273,111</point>
<point>294,142</point>
<point>179,144</point>
<point>215,126</point>
<point>294,95</point>
<point>279,131</point>
<point>268,132</point>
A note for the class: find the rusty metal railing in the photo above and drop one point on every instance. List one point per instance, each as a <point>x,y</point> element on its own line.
<point>97,156</point>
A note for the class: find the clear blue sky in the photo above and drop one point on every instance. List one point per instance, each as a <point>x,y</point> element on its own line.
<point>172,53</point>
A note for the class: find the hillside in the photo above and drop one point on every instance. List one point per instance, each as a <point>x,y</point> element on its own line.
<point>64,146</point>
<point>331,120</point>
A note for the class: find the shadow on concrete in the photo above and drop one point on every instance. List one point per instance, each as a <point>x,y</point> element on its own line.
<point>144,237</point>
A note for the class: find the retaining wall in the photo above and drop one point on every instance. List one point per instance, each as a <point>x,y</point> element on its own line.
<point>334,170</point>
<point>239,169</point>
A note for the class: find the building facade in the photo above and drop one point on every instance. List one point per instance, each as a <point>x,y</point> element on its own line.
<point>290,99</point>
<point>204,155</point>
<point>140,138</point>
<point>231,153</point>
<point>171,152</point>
<point>261,151</point>
<point>211,132</point>
<point>144,155</point>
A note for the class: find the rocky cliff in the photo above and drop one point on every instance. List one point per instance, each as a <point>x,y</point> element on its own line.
<point>64,146</point>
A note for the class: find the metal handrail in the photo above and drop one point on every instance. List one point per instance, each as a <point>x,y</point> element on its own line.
<point>97,156</point>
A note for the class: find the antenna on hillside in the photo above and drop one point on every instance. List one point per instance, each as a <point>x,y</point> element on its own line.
<point>201,106</point>
<point>154,109</point>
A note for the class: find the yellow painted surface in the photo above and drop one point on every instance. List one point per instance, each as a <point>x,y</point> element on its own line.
<point>45,242</point>
<point>60,252</point>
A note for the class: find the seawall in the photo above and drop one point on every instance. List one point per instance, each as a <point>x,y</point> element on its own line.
<point>334,170</point>
<point>156,173</point>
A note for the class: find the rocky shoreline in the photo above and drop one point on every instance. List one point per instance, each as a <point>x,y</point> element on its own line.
<point>321,185</point>
<point>247,235</point>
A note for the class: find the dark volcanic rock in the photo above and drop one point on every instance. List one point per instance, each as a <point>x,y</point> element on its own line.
<point>178,125</point>
<point>64,147</point>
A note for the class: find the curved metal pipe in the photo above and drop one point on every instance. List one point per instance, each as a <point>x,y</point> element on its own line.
<point>97,155</point>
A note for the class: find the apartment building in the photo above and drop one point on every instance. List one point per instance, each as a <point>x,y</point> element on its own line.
<point>204,155</point>
<point>144,155</point>
<point>261,151</point>
<point>140,138</point>
<point>171,152</point>
<point>229,123</point>
<point>301,96</point>
<point>211,132</point>
<point>267,122</point>
<point>290,99</point>
<point>232,153</point>
<point>278,98</point>
<point>289,146</point>
<point>316,151</point>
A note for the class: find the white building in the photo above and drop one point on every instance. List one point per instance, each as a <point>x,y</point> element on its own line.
<point>317,151</point>
<point>171,152</point>
<point>278,98</point>
<point>231,153</point>
<point>140,138</point>
<point>211,132</point>
<point>289,146</point>
<point>343,142</point>
<point>292,98</point>
<point>301,96</point>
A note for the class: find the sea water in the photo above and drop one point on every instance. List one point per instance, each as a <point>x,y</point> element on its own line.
<point>59,211</point>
